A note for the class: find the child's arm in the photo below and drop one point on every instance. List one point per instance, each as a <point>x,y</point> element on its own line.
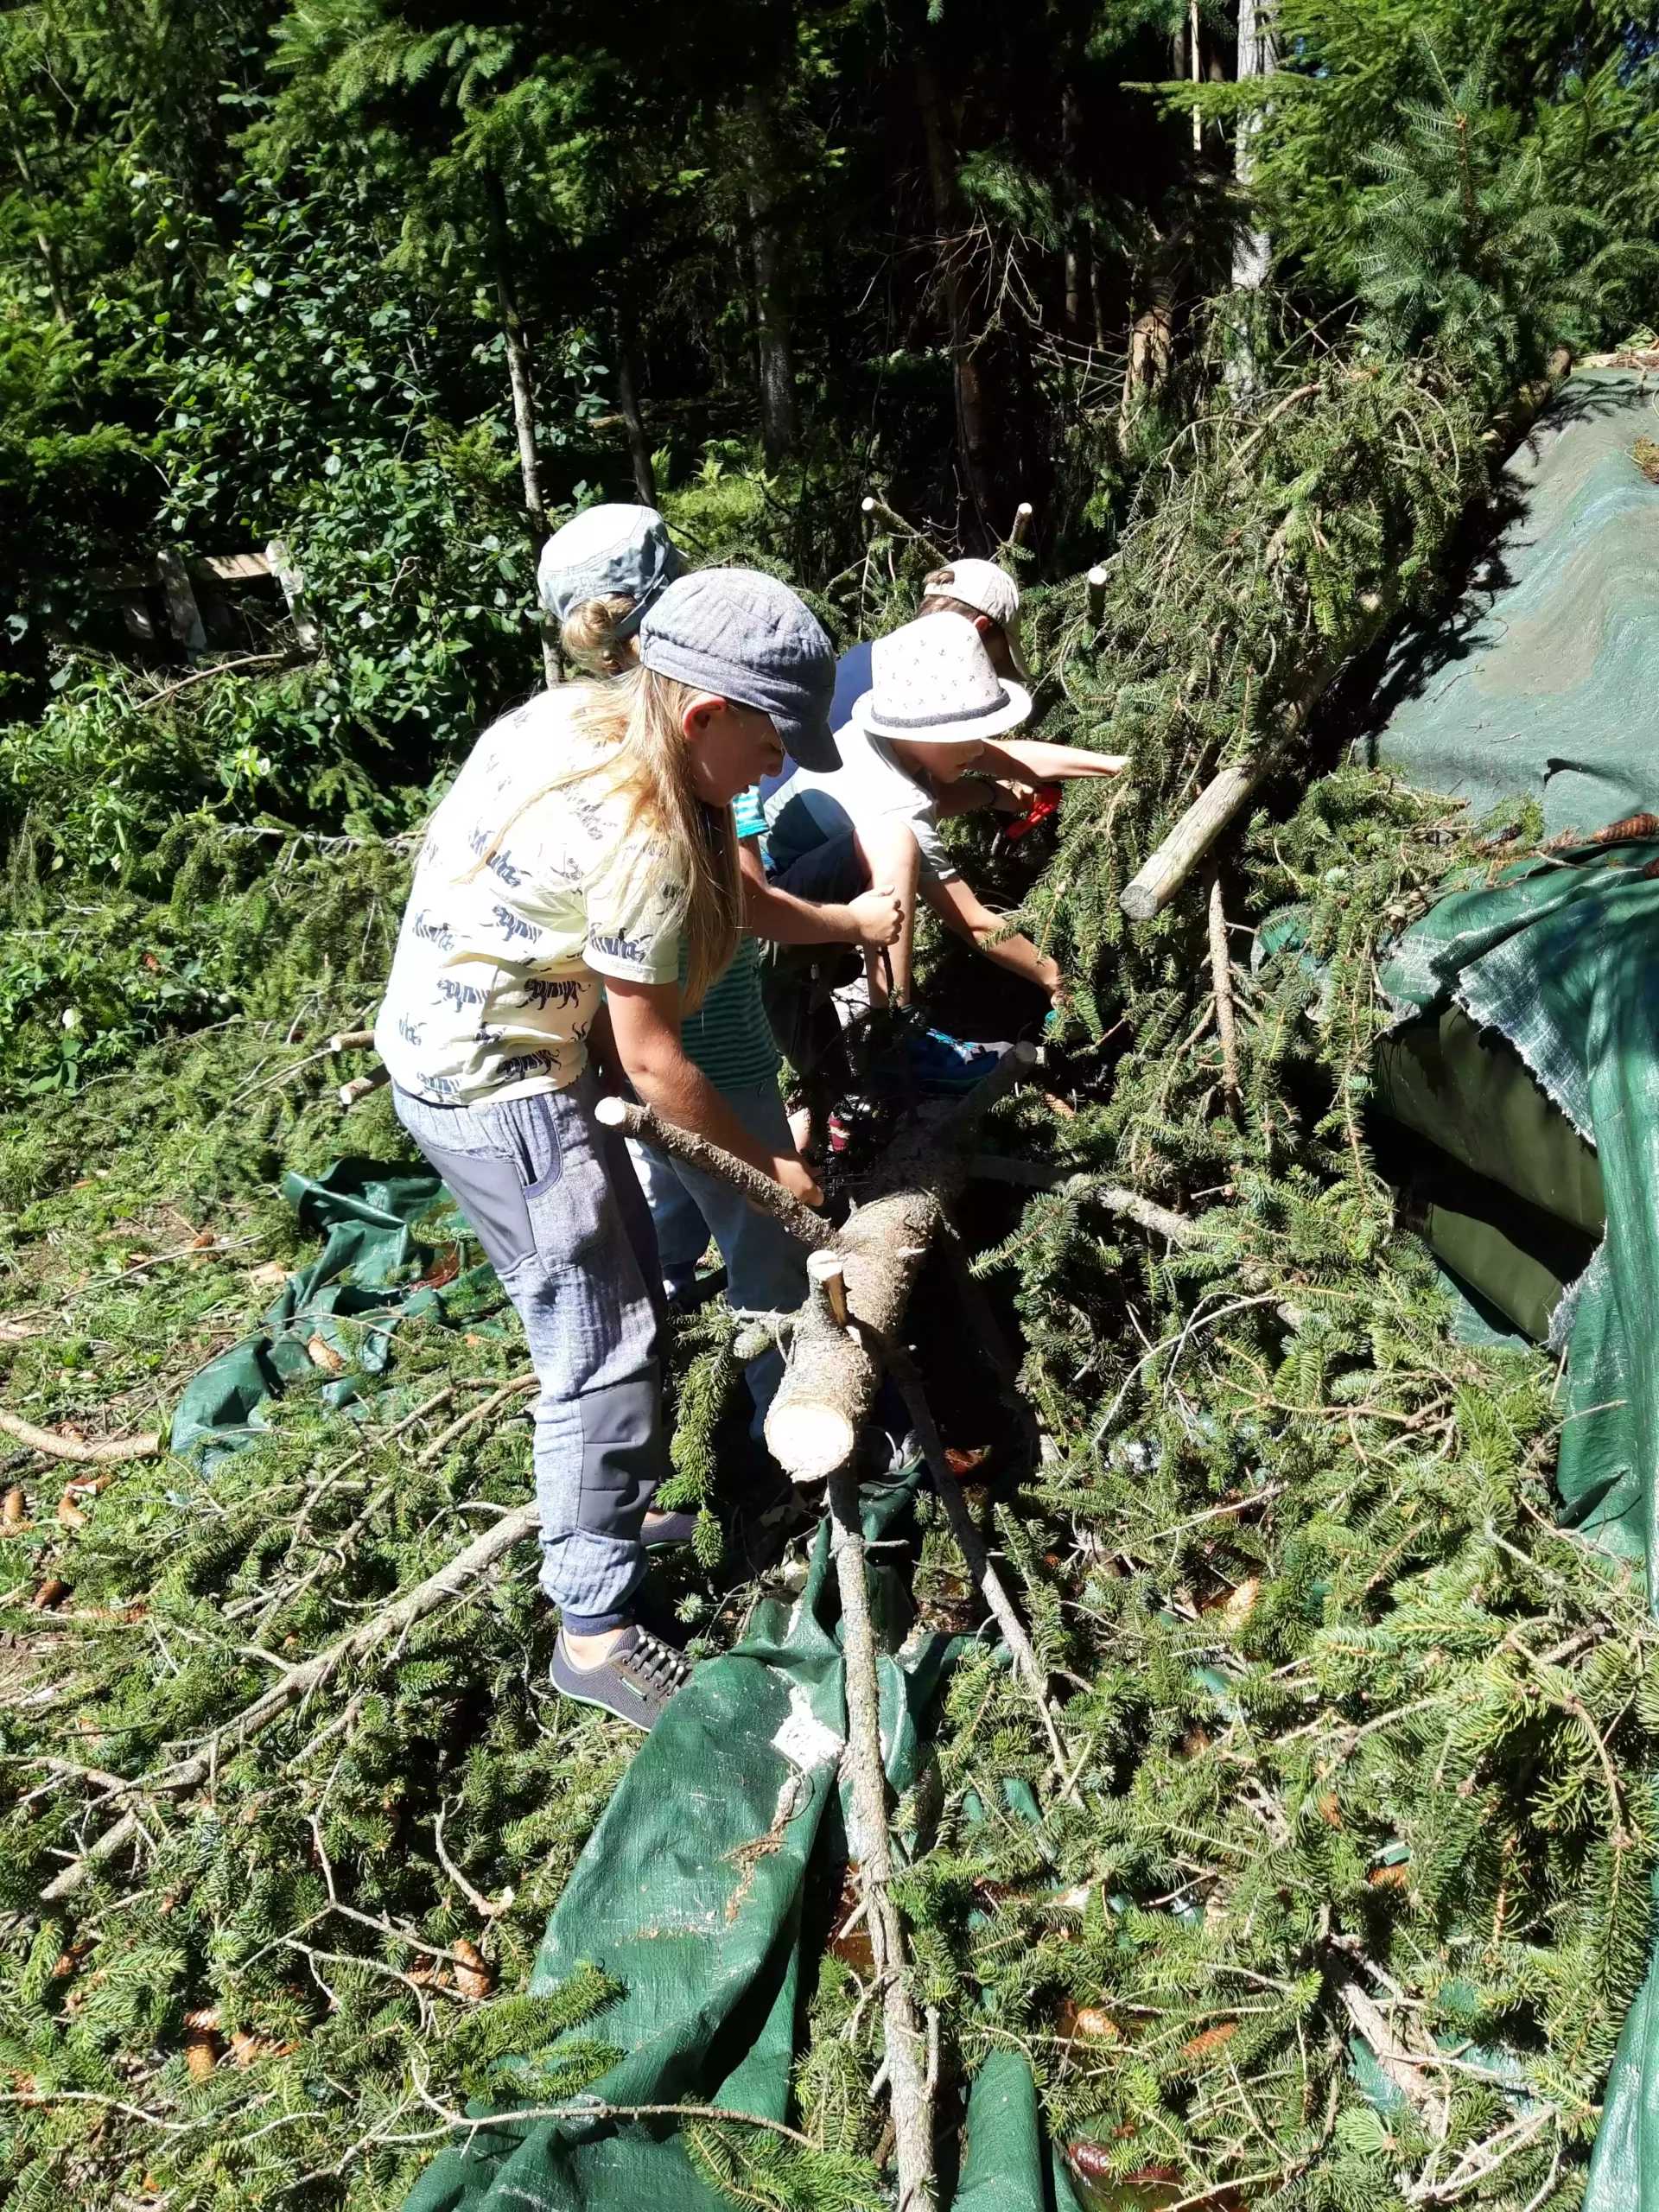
<point>968,795</point>
<point>958,906</point>
<point>874,918</point>
<point>646,1022</point>
<point>1047,764</point>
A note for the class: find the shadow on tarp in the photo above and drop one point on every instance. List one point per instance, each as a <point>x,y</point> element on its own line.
<point>366,1279</point>
<point>704,1893</point>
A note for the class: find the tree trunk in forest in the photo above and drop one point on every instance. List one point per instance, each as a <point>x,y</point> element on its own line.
<point>521,378</point>
<point>1151,342</point>
<point>1252,248</point>
<point>1077,281</point>
<point>1194,54</point>
<point>780,424</point>
<point>1258,56</point>
<point>44,240</point>
<point>627,405</point>
<point>973,428</point>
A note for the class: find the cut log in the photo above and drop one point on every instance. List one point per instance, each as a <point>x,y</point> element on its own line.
<point>1096,583</point>
<point>910,2086</point>
<point>648,1126</point>
<point>184,616</point>
<point>1021,523</point>
<point>1162,876</point>
<point>825,1397</point>
<point>293,582</point>
<point>361,1087</point>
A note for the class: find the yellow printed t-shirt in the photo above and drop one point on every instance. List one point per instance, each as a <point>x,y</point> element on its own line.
<point>496,980</point>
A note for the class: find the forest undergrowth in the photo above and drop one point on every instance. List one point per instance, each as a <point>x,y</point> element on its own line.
<point>1344,1891</point>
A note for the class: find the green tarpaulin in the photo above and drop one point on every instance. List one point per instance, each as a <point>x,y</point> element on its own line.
<point>705,1892</point>
<point>1562,961</point>
<point>352,1296</point>
<point>1540,685</point>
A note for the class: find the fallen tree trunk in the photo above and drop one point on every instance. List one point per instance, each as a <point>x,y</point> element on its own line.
<point>825,1397</point>
<point>1163,872</point>
<point>910,2086</point>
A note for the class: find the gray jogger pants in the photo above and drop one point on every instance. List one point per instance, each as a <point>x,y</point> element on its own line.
<point>553,1202</point>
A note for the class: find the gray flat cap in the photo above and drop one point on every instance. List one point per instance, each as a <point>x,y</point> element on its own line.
<point>607,551</point>
<point>748,639</point>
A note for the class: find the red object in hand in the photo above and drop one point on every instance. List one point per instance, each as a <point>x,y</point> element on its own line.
<point>1045,800</point>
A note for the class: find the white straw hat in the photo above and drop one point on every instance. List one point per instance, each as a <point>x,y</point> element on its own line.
<point>933,684</point>
<point>989,590</point>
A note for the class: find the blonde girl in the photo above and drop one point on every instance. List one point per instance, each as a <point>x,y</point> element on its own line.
<point>587,844</point>
<point>595,572</point>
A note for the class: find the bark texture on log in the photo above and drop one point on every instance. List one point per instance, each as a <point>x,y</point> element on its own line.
<point>1167,869</point>
<point>645,1124</point>
<point>110,1451</point>
<point>825,1397</point>
<point>910,2091</point>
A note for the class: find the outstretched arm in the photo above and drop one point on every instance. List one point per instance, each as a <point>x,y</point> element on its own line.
<point>1047,764</point>
<point>959,907</point>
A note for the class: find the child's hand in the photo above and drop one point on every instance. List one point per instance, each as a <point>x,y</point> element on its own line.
<point>879,916</point>
<point>797,1178</point>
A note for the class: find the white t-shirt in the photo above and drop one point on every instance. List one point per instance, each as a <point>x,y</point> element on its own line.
<point>870,786</point>
<point>496,979</point>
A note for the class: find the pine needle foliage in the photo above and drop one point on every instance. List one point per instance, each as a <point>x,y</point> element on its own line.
<point>1350,1713</point>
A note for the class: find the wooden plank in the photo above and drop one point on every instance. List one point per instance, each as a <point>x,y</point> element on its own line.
<point>233,567</point>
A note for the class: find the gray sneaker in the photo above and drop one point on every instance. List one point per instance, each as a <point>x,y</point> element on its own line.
<point>635,1682</point>
<point>667,1531</point>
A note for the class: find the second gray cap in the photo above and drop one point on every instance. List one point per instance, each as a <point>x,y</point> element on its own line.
<point>747,638</point>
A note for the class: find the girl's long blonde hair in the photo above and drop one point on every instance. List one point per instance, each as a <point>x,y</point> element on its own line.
<point>635,722</point>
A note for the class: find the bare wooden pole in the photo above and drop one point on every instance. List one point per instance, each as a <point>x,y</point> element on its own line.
<point>1162,875</point>
<point>910,2090</point>
<point>648,1126</point>
<point>1168,868</point>
<point>1022,515</point>
<point>1220,976</point>
<point>1097,583</point>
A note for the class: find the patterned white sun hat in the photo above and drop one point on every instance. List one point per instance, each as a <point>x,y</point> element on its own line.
<point>933,684</point>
